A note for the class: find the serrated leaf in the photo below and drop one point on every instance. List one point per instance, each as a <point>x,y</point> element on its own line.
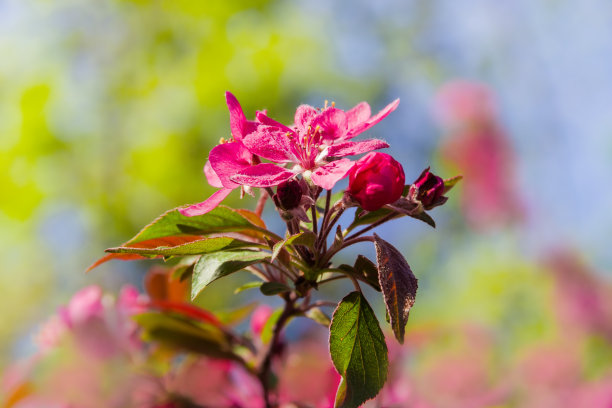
<point>247,286</point>
<point>198,247</point>
<point>317,315</point>
<point>173,228</point>
<point>177,332</point>
<point>358,351</point>
<point>274,288</point>
<point>150,243</point>
<point>220,219</point>
<point>398,284</point>
<point>211,267</point>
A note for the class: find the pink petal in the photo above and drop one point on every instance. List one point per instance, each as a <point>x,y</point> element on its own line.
<point>228,159</point>
<point>237,118</point>
<point>327,176</point>
<point>265,120</point>
<point>271,143</point>
<point>351,148</point>
<point>303,117</point>
<point>359,114</point>
<point>239,126</point>
<point>262,175</point>
<point>333,124</point>
<point>373,120</point>
<point>211,176</point>
<point>205,206</point>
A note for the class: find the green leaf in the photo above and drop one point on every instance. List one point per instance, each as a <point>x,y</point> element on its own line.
<point>236,316</point>
<point>367,271</point>
<point>181,333</point>
<point>317,315</point>
<point>268,330</point>
<point>398,284</point>
<point>451,182</point>
<point>368,218</point>
<point>305,238</point>
<point>201,246</point>
<point>274,288</point>
<point>247,286</point>
<point>358,351</point>
<point>220,219</point>
<point>211,267</point>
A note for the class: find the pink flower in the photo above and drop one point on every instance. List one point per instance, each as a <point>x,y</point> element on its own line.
<point>478,147</point>
<point>375,180</point>
<point>461,102</point>
<point>226,159</point>
<point>311,146</point>
<point>100,329</point>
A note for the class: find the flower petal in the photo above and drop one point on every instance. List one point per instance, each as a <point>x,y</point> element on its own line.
<point>303,117</point>
<point>266,120</point>
<point>239,125</point>
<point>332,123</point>
<point>373,120</point>
<point>351,148</point>
<point>262,175</point>
<point>327,176</point>
<point>237,117</point>
<point>205,206</point>
<point>271,143</point>
<point>357,115</point>
<point>211,176</point>
<point>228,159</point>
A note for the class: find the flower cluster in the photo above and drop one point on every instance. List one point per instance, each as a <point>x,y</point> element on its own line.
<point>296,167</point>
<point>314,147</point>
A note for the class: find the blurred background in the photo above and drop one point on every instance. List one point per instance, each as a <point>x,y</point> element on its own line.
<point>108,110</point>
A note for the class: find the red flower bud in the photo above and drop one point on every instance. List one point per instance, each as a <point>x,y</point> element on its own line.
<point>375,180</point>
<point>428,189</point>
<point>288,194</point>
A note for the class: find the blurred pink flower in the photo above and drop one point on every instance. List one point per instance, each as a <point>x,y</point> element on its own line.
<point>583,300</point>
<point>460,103</point>
<point>480,150</point>
<point>259,318</point>
<point>99,329</point>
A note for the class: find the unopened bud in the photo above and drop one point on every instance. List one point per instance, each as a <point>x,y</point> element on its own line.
<point>288,194</point>
<point>428,189</point>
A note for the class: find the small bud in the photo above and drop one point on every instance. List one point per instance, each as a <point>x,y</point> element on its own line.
<point>428,189</point>
<point>288,194</point>
<point>375,180</point>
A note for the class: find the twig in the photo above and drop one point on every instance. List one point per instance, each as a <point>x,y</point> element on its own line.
<point>263,373</point>
<point>373,225</point>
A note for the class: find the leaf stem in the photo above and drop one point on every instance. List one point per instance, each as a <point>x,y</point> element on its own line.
<point>313,211</point>
<point>373,225</point>
<point>261,203</point>
<point>348,242</point>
